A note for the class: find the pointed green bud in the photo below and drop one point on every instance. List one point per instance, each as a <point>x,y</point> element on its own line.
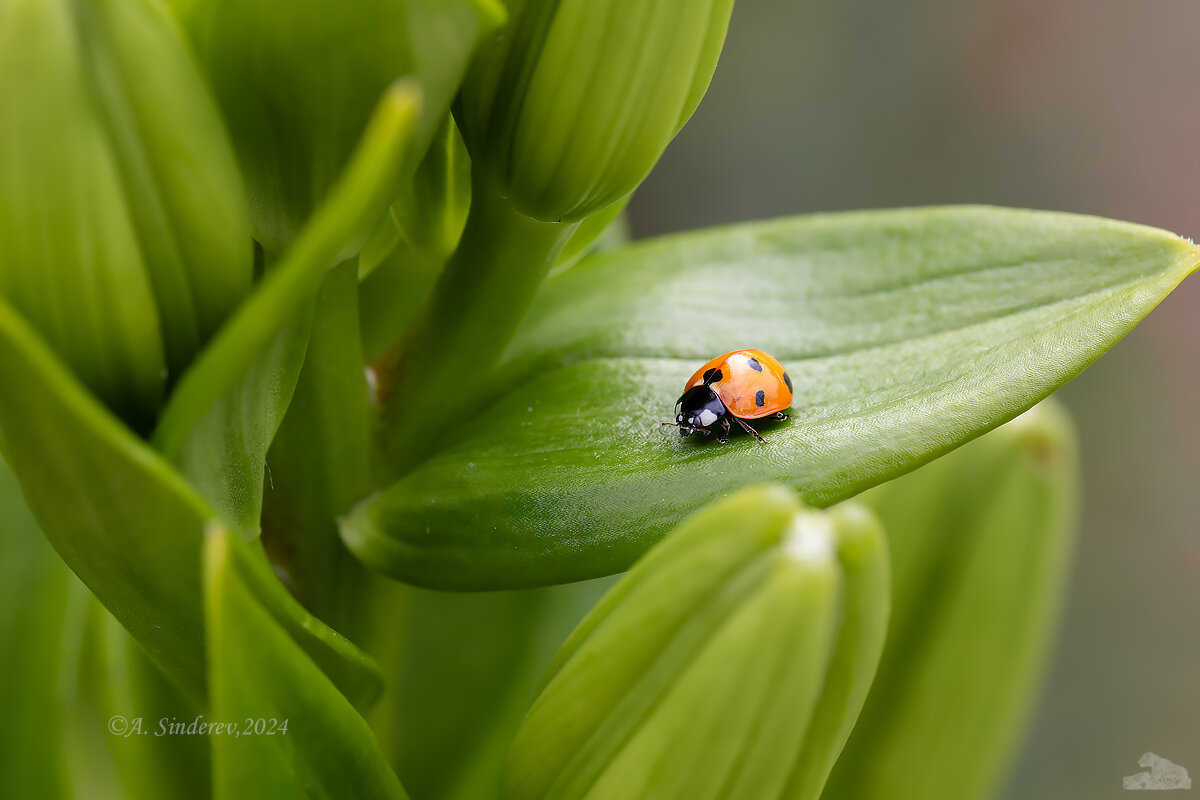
<point>298,81</point>
<point>572,106</point>
<point>730,661</point>
<point>980,542</point>
<point>124,236</point>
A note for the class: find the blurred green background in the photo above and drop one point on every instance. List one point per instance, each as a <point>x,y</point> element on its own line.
<point>1078,106</point>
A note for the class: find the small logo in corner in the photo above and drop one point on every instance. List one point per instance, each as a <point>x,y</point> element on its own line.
<point>1162,774</point>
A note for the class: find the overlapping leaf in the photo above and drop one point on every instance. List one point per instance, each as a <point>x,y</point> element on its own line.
<point>126,523</point>
<point>296,83</point>
<point>319,461</point>
<point>222,416</point>
<point>117,513</point>
<point>34,610</point>
<point>132,702</point>
<point>292,734</point>
<point>905,332</point>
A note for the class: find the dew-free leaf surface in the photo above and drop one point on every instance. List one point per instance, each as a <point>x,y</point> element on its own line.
<point>906,333</point>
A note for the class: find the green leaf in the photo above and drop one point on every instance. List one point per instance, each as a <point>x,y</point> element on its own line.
<point>430,213</point>
<point>62,186</point>
<point>222,416</point>
<point>224,454</point>
<point>981,542</point>
<point>186,198</point>
<point>319,461</point>
<point>297,85</point>
<point>126,684</point>
<point>906,333</point>
<point>354,674</point>
<point>126,523</point>
<point>118,514</point>
<point>392,294</point>
<point>404,255</point>
<point>124,220</point>
<point>466,668</point>
<point>312,743</point>
<point>34,653</point>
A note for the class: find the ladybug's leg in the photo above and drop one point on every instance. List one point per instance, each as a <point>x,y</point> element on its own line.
<point>750,430</point>
<point>780,415</point>
<point>723,436</point>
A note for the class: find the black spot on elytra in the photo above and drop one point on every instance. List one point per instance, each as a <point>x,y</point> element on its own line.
<point>712,376</point>
<point>787,379</point>
<point>753,362</point>
<point>760,398</point>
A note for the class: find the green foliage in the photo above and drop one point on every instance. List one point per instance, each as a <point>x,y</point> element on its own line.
<point>453,709</point>
<point>447,366</point>
<point>980,542</point>
<point>34,608</point>
<point>906,333</point>
<point>403,256</point>
<point>571,107</point>
<point>296,67</point>
<point>131,527</point>
<point>260,673</point>
<point>123,218</point>
<point>124,684</point>
<point>730,662</point>
<point>132,530</point>
<point>320,458</point>
<point>220,420</point>
<point>432,373</point>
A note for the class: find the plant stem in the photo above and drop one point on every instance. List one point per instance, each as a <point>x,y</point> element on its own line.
<point>434,370</point>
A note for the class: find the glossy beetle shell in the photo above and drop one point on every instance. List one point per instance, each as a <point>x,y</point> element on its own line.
<point>752,384</point>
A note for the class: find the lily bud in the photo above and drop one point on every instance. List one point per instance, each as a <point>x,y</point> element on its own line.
<point>124,236</point>
<point>298,81</point>
<point>573,105</point>
<point>730,661</point>
<point>980,541</point>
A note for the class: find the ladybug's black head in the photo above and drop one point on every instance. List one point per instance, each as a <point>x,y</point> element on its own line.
<point>697,409</point>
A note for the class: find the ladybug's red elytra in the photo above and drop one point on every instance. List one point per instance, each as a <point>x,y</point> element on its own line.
<point>740,385</point>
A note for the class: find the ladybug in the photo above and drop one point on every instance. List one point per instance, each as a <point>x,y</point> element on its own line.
<point>740,385</point>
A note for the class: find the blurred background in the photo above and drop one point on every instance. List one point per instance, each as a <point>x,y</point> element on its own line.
<point>1090,107</point>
